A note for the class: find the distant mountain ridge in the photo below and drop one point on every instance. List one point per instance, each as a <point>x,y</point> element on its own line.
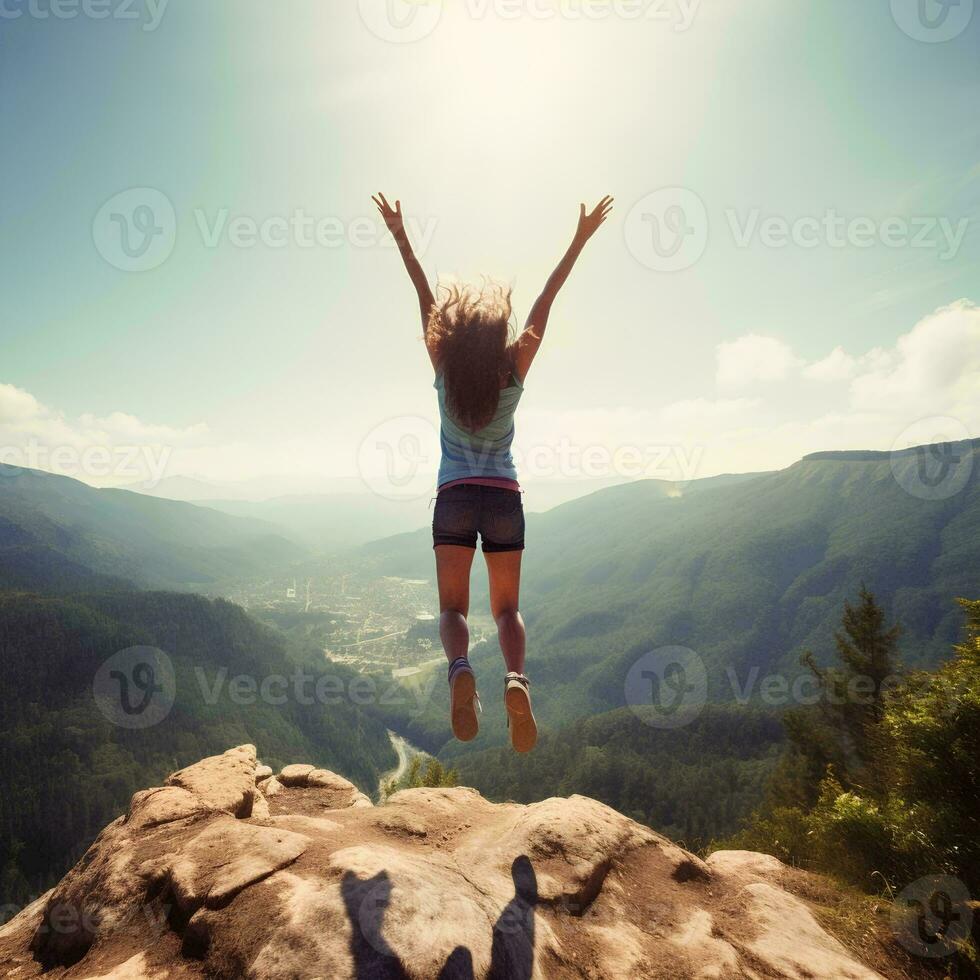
<point>122,536</point>
<point>871,455</point>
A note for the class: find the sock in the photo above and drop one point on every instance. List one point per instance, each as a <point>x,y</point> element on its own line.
<point>460,663</point>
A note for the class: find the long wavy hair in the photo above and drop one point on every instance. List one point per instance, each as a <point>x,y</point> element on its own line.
<point>471,340</point>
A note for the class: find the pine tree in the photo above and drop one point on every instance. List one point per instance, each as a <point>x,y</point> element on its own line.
<point>433,775</point>
<point>933,732</point>
<point>852,697</point>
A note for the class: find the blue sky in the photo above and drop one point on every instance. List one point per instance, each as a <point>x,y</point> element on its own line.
<point>260,358</point>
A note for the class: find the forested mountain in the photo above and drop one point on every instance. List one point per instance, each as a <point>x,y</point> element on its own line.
<point>54,531</point>
<point>752,573</point>
<point>67,769</point>
<point>747,573</point>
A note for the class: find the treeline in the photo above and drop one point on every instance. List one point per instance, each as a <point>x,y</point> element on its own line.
<point>880,784</point>
<point>422,772</point>
<point>66,770</point>
<point>691,783</point>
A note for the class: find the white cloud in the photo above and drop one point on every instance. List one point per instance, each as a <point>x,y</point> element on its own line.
<point>753,358</point>
<point>122,426</point>
<point>17,405</point>
<point>932,370</point>
<point>109,451</point>
<point>929,377</point>
<point>836,366</point>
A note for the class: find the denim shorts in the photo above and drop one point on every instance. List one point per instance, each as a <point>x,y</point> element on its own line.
<point>466,509</point>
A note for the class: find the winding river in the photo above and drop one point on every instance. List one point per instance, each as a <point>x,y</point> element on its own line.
<point>406,752</point>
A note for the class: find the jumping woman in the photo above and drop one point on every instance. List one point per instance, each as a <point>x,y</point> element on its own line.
<point>480,369</point>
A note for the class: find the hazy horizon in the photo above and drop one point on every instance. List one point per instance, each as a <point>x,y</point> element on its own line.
<point>821,293</point>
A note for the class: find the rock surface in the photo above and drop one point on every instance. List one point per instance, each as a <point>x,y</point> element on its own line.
<point>214,876</point>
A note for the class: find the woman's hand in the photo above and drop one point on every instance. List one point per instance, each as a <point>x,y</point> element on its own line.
<point>392,215</point>
<point>588,223</point>
<point>393,219</point>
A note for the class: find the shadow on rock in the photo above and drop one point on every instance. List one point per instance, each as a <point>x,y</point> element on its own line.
<point>366,900</point>
<point>512,952</point>
<point>512,956</point>
<point>459,966</point>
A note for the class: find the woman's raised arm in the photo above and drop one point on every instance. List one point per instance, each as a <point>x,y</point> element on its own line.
<point>529,341</point>
<point>393,219</point>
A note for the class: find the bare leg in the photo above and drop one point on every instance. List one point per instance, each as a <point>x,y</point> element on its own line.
<point>504,569</point>
<point>453,565</point>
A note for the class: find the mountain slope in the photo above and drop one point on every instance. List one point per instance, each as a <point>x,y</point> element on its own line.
<point>47,520</point>
<point>747,574</point>
<point>751,574</point>
<point>70,755</point>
